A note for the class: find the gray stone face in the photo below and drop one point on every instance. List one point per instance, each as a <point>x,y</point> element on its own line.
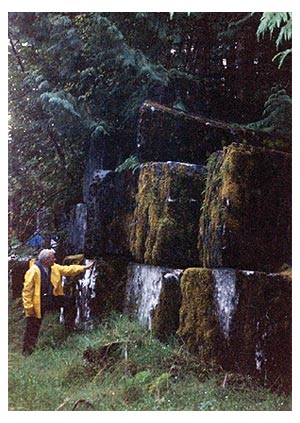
<point>153,296</point>
<point>77,229</point>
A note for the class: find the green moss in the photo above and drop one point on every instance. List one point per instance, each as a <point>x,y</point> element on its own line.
<point>246,216</point>
<point>74,259</point>
<point>167,213</point>
<point>165,319</point>
<point>198,324</point>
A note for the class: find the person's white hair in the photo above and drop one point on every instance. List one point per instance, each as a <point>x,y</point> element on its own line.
<point>44,254</point>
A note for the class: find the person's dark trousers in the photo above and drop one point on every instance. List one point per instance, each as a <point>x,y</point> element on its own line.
<point>49,303</point>
<point>54,303</point>
<point>68,304</point>
<point>31,335</point>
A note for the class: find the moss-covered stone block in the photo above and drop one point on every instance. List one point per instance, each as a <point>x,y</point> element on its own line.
<point>110,212</point>
<point>110,284</point>
<point>240,320</point>
<point>166,133</point>
<point>153,296</point>
<point>74,259</point>
<point>165,317</point>
<point>246,217</point>
<point>166,217</point>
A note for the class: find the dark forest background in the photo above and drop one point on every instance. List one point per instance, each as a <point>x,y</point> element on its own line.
<point>77,77</point>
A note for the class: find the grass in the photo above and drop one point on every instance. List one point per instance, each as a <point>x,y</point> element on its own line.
<point>140,373</point>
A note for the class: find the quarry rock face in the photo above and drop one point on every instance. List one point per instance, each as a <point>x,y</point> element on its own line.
<point>171,237</point>
<point>166,215</point>
<point>240,320</point>
<point>110,211</point>
<point>246,217</point>
<point>110,287</point>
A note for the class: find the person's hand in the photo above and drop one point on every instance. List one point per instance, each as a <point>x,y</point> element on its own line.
<point>88,266</point>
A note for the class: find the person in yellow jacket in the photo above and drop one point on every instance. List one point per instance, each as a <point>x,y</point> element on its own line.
<point>43,291</point>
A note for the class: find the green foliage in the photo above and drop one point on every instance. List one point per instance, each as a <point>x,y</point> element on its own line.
<point>281,56</point>
<point>277,114</point>
<point>154,376</point>
<point>131,162</point>
<point>76,76</point>
<point>272,21</point>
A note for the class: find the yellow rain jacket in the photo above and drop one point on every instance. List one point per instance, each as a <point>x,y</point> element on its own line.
<point>31,294</point>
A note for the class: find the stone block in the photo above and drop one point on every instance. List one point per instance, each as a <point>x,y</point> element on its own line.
<point>76,228</point>
<point>240,320</point>
<point>109,214</point>
<point>110,287</point>
<point>153,296</point>
<point>169,134</point>
<point>166,217</point>
<point>246,220</point>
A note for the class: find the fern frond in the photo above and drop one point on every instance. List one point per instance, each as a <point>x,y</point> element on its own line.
<point>277,114</point>
<point>270,21</point>
<point>281,56</point>
<point>131,162</point>
<point>285,33</point>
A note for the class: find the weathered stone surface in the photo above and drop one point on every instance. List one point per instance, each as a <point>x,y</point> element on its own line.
<point>240,320</point>
<point>167,134</point>
<point>166,216</point>
<point>246,217</point>
<point>17,268</point>
<point>104,293</point>
<point>110,287</point>
<point>153,295</point>
<point>110,211</point>
<point>76,228</point>
<point>97,160</point>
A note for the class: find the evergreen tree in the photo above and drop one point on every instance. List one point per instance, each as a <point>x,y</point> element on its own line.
<point>78,77</point>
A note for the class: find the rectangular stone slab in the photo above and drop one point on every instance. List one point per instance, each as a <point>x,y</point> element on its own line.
<point>241,320</point>
<point>246,220</point>
<point>166,133</point>
<point>166,216</point>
